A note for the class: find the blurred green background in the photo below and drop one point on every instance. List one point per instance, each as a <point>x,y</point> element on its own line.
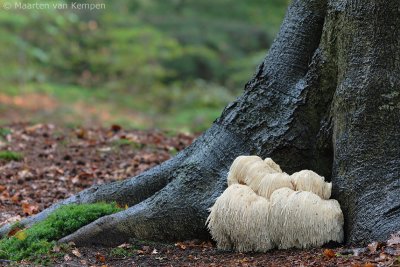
<point>169,64</point>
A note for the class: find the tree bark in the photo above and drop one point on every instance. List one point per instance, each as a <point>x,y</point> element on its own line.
<point>326,98</point>
<point>366,115</point>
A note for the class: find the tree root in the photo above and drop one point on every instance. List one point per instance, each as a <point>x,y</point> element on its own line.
<point>166,216</point>
<point>128,192</point>
<point>162,197</point>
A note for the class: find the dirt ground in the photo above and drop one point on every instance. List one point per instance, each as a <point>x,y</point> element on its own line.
<point>58,162</point>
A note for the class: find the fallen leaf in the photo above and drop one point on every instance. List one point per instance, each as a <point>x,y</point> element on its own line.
<point>13,231</point>
<point>105,149</point>
<point>16,198</point>
<point>67,257</point>
<point>154,251</point>
<point>33,128</point>
<point>373,247</point>
<point>2,188</point>
<point>4,196</point>
<point>244,260</point>
<point>116,128</point>
<point>394,239</point>
<point>21,235</point>
<point>180,245</point>
<point>81,133</point>
<point>75,180</point>
<point>125,245</point>
<point>382,256</point>
<point>100,258</point>
<point>76,252</point>
<point>329,253</point>
<point>368,264</point>
<point>13,219</point>
<point>29,209</point>
<point>25,174</point>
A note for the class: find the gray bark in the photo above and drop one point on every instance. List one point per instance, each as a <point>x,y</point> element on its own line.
<point>325,98</point>
<point>366,115</point>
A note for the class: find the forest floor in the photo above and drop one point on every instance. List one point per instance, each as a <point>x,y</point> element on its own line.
<point>42,164</point>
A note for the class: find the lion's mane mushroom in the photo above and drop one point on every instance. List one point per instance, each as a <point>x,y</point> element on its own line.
<point>265,208</point>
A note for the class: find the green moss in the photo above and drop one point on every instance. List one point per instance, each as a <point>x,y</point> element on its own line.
<point>11,155</point>
<point>34,242</point>
<point>121,252</point>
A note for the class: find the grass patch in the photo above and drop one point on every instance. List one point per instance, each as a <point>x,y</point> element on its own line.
<point>4,132</point>
<point>125,142</point>
<point>36,242</point>
<point>10,155</point>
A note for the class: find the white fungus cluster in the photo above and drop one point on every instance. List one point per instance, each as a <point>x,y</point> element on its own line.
<point>264,208</point>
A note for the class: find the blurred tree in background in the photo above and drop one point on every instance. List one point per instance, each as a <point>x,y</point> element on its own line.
<point>145,63</point>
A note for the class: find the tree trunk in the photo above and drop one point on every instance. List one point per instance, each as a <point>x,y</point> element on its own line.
<point>326,98</point>
<point>366,115</point>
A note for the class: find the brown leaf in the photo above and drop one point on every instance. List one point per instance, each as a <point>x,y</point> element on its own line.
<point>100,258</point>
<point>180,245</point>
<point>16,198</point>
<point>244,260</point>
<point>33,128</point>
<point>329,253</point>
<point>25,174</point>
<point>76,252</point>
<point>373,247</point>
<point>81,133</point>
<point>116,128</point>
<point>75,180</point>
<point>14,231</point>
<point>4,196</point>
<point>207,244</point>
<point>29,209</point>
<point>12,219</point>
<point>368,264</point>
<point>2,188</point>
